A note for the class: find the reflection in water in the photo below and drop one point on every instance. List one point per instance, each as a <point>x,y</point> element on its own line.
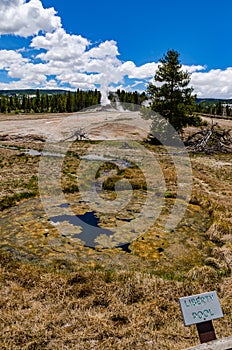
<point>89,224</point>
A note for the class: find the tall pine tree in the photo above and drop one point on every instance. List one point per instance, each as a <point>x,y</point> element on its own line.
<point>170,94</point>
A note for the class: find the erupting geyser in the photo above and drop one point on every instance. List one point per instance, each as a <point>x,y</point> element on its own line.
<point>104,95</point>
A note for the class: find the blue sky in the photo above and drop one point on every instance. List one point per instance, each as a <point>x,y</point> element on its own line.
<point>144,30</point>
<point>88,44</point>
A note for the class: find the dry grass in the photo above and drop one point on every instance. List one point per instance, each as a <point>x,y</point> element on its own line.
<point>46,308</point>
<point>91,303</point>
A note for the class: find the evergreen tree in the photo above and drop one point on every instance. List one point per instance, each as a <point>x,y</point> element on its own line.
<point>219,108</point>
<point>24,103</point>
<point>48,99</point>
<point>227,110</point>
<point>37,102</point>
<point>61,103</point>
<point>43,107</point>
<point>69,102</point>
<point>17,103</point>
<point>54,104</point>
<point>171,96</point>
<point>28,105</point>
<point>3,104</point>
<point>11,106</point>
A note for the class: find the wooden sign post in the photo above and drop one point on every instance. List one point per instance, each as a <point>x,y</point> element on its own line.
<point>201,309</point>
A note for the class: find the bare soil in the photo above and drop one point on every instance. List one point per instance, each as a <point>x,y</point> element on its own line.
<point>97,125</point>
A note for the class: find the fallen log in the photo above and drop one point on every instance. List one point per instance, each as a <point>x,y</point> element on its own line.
<point>211,139</point>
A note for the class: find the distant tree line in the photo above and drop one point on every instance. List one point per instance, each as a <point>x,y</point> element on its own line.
<point>134,98</point>
<point>218,108</point>
<point>41,101</point>
<point>63,102</point>
<point>49,103</point>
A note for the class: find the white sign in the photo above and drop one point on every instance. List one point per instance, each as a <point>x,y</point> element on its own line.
<point>200,308</point>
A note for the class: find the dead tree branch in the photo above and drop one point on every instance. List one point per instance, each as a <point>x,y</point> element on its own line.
<point>212,139</point>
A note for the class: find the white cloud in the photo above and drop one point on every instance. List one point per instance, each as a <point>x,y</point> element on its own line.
<point>9,3</point>
<point>215,83</point>
<point>60,46</point>
<point>145,71</point>
<point>50,84</point>
<point>9,57</point>
<point>106,49</point>
<point>23,18</point>
<point>69,60</point>
<point>67,57</point>
<point>193,68</point>
<point>76,78</point>
<point>15,85</point>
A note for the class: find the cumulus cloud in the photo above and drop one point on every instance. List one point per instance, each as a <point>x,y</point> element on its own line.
<point>60,46</point>
<point>106,49</point>
<point>193,68</point>
<point>9,3</point>
<point>215,83</point>
<point>145,71</point>
<point>74,63</point>
<point>8,58</point>
<point>25,19</point>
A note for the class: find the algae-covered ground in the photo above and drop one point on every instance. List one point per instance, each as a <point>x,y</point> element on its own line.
<point>59,293</point>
